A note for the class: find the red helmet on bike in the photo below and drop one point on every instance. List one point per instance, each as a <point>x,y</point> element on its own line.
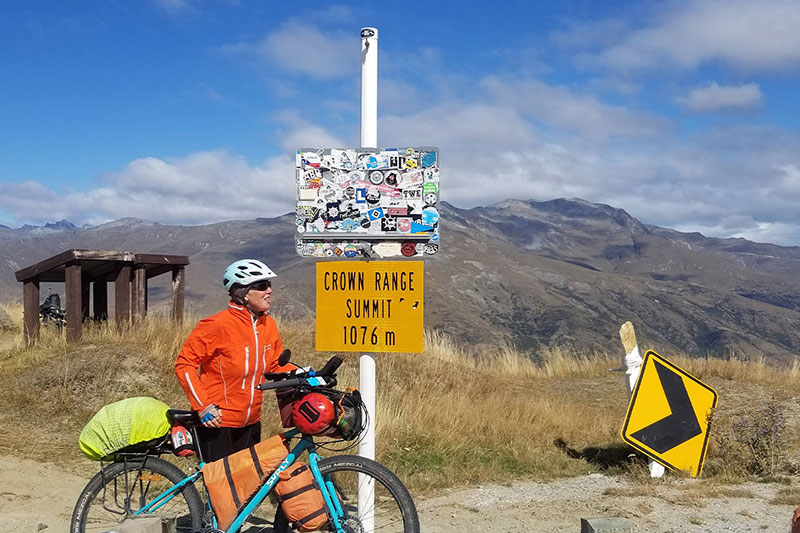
<point>313,413</point>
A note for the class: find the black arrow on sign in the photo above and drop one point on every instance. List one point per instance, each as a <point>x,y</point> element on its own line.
<point>680,425</point>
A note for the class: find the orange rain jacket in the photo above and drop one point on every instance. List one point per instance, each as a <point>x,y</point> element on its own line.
<point>232,353</point>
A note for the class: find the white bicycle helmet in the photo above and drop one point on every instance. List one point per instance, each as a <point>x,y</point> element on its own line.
<point>246,272</point>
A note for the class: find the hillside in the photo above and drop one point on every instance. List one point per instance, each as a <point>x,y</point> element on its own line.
<point>555,273</point>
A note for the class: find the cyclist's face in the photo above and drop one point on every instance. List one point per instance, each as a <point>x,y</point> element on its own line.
<point>258,297</point>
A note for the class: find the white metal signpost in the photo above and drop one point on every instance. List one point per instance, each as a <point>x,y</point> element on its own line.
<point>369,137</point>
<point>368,203</point>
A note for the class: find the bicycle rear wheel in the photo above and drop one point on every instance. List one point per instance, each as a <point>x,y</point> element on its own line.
<point>113,495</point>
<point>393,508</point>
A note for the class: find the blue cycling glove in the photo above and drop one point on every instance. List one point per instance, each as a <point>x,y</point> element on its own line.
<point>209,413</point>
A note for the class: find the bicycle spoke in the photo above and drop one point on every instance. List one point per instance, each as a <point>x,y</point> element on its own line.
<point>124,490</point>
<point>384,513</point>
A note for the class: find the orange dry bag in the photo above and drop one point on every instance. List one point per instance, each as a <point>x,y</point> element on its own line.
<point>300,499</point>
<point>232,480</point>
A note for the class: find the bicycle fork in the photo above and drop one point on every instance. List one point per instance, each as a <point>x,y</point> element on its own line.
<point>329,494</point>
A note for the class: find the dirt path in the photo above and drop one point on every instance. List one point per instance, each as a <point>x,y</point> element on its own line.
<point>36,497</point>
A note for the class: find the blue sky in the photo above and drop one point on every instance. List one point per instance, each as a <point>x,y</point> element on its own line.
<point>683,113</point>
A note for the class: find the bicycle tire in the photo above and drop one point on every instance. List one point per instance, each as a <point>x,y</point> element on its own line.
<point>100,510</point>
<point>394,510</point>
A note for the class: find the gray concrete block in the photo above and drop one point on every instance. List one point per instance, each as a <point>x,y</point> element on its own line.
<point>146,524</point>
<point>606,525</point>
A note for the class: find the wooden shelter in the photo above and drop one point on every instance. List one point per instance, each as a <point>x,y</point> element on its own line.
<point>87,272</point>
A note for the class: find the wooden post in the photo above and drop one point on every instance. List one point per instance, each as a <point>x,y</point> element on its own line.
<point>139,297</point>
<point>30,299</point>
<point>633,367</point>
<point>74,290</point>
<point>85,293</point>
<point>177,294</point>
<point>100,299</point>
<point>122,296</point>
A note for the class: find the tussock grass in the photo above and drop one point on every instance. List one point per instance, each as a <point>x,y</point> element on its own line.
<point>14,311</point>
<point>9,336</point>
<point>687,495</point>
<point>786,496</point>
<point>703,489</point>
<point>756,371</point>
<point>632,492</point>
<point>447,417</point>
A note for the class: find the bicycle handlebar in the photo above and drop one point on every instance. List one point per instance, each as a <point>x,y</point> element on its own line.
<point>330,367</point>
<point>292,382</point>
<point>294,378</point>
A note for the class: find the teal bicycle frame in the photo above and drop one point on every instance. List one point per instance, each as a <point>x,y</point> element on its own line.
<point>332,503</point>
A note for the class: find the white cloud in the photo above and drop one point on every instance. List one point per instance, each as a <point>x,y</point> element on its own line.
<point>726,181</point>
<point>199,188</point>
<point>305,49</point>
<point>745,34</point>
<point>301,133</point>
<point>559,107</point>
<point>774,232</point>
<point>714,97</point>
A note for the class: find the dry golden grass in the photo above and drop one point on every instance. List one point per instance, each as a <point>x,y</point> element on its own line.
<point>9,337</point>
<point>687,495</point>
<point>705,489</point>
<point>632,492</point>
<point>14,311</point>
<point>787,496</point>
<point>444,418</point>
<point>756,371</point>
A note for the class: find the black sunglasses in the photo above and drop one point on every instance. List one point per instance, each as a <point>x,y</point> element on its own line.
<point>260,286</point>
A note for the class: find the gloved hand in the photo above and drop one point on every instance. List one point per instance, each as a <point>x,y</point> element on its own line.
<point>210,416</point>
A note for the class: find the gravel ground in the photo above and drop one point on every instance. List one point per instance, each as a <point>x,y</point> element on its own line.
<point>38,497</point>
<point>559,506</point>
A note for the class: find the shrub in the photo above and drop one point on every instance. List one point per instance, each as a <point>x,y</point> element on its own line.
<point>763,434</point>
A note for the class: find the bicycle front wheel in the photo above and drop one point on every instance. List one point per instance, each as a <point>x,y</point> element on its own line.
<point>392,510</point>
<point>113,495</point>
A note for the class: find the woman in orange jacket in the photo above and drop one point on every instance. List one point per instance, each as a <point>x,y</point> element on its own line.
<point>226,356</point>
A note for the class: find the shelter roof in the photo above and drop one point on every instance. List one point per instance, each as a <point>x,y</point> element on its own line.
<point>99,265</point>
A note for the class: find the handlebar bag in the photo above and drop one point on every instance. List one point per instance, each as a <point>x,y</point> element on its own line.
<point>300,499</point>
<point>232,480</point>
<point>121,424</point>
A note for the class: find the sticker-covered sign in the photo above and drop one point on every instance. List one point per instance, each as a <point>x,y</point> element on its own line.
<point>367,202</point>
<point>369,306</point>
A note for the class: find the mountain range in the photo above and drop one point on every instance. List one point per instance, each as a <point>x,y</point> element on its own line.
<point>564,272</point>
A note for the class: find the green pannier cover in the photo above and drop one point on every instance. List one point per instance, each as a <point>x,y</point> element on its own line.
<point>121,424</point>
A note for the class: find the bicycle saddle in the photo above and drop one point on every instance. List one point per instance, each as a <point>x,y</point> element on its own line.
<point>187,418</point>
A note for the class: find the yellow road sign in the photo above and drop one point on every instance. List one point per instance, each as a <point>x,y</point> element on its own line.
<point>374,306</point>
<point>667,416</point>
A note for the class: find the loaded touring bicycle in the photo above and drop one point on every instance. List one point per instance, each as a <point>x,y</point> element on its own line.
<point>318,494</point>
